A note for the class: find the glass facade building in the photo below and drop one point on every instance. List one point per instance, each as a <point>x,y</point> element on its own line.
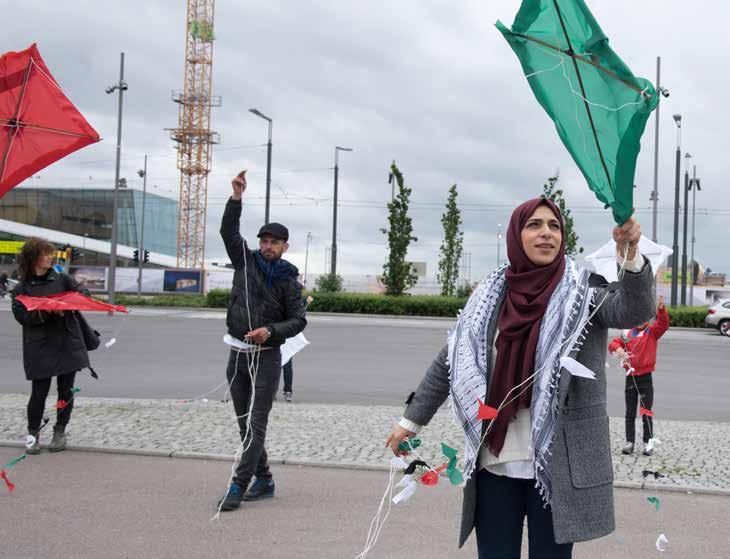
<point>88,213</point>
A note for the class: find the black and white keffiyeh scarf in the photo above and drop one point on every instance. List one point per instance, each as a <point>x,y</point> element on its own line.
<point>470,362</point>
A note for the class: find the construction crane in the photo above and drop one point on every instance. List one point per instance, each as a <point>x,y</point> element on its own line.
<point>193,135</point>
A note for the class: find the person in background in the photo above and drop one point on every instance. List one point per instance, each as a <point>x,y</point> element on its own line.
<point>53,342</point>
<point>288,368</point>
<point>636,348</point>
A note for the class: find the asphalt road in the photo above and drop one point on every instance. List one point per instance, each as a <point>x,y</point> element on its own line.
<point>358,360</point>
<point>89,505</point>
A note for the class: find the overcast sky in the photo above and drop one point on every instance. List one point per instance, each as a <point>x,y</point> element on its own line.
<point>431,84</point>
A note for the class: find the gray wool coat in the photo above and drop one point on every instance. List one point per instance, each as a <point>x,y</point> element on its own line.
<point>581,467</point>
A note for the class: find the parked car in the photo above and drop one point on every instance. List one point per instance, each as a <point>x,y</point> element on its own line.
<point>719,317</point>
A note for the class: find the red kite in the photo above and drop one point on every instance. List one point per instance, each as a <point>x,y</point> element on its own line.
<point>67,301</point>
<point>38,123</point>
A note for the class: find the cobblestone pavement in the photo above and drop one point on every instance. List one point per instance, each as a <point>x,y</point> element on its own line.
<point>693,455</point>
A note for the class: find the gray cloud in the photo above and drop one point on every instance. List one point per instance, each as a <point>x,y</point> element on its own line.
<point>430,84</point>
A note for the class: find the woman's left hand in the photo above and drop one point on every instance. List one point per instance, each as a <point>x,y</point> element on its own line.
<point>629,232</point>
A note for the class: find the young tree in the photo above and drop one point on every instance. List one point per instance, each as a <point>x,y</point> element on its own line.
<point>398,274</point>
<point>550,190</point>
<point>451,247</point>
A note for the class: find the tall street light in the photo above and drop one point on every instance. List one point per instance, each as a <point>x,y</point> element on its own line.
<point>499,242</point>
<point>687,157</point>
<point>120,86</point>
<point>694,184</point>
<point>142,173</point>
<point>306,258</point>
<point>268,162</point>
<point>333,263</point>
<point>675,245</point>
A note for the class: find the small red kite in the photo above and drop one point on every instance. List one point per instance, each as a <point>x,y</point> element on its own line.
<point>67,301</point>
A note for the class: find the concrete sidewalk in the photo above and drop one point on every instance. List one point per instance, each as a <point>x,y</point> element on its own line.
<point>692,454</point>
<point>88,505</point>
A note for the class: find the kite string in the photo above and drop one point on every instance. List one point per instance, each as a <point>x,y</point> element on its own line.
<point>377,523</point>
<point>561,57</point>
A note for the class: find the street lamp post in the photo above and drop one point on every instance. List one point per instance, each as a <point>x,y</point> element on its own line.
<point>675,245</point>
<point>120,86</point>
<point>268,162</point>
<point>685,209</point>
<point>499,242</point>
<point>695,186</point>
<point>306,258</point>
<point>142,173</point>
<point>333,267</point>
<point>655,192</point>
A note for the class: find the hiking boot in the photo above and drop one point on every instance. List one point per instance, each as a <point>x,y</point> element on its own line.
<point>35,448</point>
<point>260,489</point>
<point>232,499</point>
<point>58,442</point>
<point>287,396</point>
<point>628,448</point>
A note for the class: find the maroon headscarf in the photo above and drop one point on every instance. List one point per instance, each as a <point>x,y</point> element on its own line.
<point>529,288</point>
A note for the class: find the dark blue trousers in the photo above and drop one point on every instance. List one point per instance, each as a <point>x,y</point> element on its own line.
<point>502,505</point>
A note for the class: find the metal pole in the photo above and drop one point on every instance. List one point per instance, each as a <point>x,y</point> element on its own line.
<point>306,258</point>
<point>268,175</point>
<point>333,259</point>
<point>655,193</point>
<point>675,245</point>
<point>499,243</point>
<point>113,253</point>
<point>692,257</point>
<point>684,233</point>
<point>141,235</point>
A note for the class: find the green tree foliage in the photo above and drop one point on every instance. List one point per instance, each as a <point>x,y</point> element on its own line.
<point>550,190</point>
<point>329,283</point>
<point>398,274</point>
<point>451,247</point>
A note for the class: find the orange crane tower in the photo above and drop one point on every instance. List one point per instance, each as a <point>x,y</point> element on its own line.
<point>193,135</point>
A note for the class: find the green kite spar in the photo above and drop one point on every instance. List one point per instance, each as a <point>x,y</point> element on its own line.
<point>599,107</point>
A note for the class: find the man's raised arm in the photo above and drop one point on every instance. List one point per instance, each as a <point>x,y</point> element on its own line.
<point>231,222</point>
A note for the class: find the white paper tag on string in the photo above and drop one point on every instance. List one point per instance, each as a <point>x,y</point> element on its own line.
<point>110,343</point>
<point>404,481</point>
<point>577,369</point>
<point>406,494</point>
<point>398,463</point>
<point>29,441</point>
<point>652,443</point>
<point>661,542</point>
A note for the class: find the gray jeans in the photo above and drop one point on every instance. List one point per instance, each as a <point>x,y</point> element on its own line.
<point>254,462</point>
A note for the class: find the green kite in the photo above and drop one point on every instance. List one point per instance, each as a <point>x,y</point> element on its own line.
<point>599,107</point>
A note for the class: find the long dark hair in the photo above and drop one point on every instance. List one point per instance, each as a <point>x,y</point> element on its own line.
<point>32,250</point>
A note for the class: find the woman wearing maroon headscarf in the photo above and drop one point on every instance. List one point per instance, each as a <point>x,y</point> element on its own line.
<point>530,343</point>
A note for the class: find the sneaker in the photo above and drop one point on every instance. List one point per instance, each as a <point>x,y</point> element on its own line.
<point>260,489</point>
<point>287,396</point>
<point>58,442</point>
<point>648,449</point>
<point>628,448</point>
<point>232,499</point>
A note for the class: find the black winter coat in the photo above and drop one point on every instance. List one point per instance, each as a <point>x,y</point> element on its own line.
<point>278,307</point>
<point>52,345</point>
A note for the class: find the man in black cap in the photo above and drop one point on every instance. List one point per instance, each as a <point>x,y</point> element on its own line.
<point>265,309</point>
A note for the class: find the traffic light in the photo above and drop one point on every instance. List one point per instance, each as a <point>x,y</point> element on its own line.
<point>136,256</point>
<point>75,253</point>
<point>146,256</point>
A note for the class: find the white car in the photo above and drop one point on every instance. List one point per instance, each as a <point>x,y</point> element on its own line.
<point>719,317</point>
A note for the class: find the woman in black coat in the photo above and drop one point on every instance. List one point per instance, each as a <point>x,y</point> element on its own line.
<point>53,343</point>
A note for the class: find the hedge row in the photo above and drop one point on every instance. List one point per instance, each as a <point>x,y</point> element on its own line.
<point>196,301</point>
<point>364,303</point>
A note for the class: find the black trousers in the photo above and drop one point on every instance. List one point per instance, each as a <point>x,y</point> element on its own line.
<point>288,375</point>
<point>639,392</point>
<point>502,505</point>
<point>38,395</point>
<point>254,461</point>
